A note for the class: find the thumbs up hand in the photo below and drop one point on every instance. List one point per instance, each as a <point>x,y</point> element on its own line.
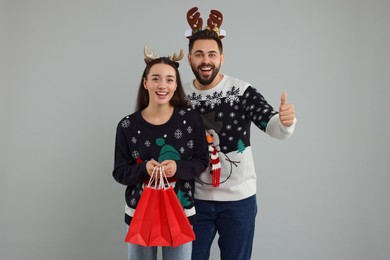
<point>286,111</point>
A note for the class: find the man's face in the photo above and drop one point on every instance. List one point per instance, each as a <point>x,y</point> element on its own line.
<point>205,60</point>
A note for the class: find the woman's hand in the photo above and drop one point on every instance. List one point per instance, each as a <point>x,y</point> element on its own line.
<point>150,165</point>
<point>170,168</point>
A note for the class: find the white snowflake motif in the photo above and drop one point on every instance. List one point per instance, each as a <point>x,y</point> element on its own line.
<point>236,107</point>
<point>232,115</point>
<point>182,112</point>
<point>243,117</point>
<point>235,122</point>
<point>195,103</point>
<point>247,95</point>
<point>134,140</point>
<point>184,122</point>
<point>239,129</point>
<point>202,110</point>
<point>228,127</point>
<point>189,129</point>
<point>260,117</point>
<point>133,202</point>
<point>182,150</point>
<point>231,99</point>
<point>187,185</point>
<point>190,193</point>
<point>232,96</point>
<point>244,133</point>
<point>265,111</point>
<point>178,134</point>
<point>223,134</point>
<point>195,99</point>
<point>224,148</point>
<point>147,143</point>
<point>213,100</point>
<point>190,144</point>
<point>231,138</point>
<point>125,123</point>
<point>135,154</point>
<point>220,114</point>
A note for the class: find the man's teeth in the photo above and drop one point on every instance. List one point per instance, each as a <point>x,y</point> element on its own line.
<point>205,68</point>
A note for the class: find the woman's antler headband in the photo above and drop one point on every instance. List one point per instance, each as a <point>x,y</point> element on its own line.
<point>196,22</point>
<point>149,56</point>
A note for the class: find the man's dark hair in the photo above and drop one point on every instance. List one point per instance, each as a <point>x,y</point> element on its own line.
<point>205,35</point>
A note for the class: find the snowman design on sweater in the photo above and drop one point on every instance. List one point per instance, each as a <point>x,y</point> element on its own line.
<point>228,110</point>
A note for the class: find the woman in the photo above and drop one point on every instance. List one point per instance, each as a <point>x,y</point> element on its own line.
<point>163,132</point>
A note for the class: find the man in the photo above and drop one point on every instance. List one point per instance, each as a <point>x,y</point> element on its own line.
<point>226,192</point>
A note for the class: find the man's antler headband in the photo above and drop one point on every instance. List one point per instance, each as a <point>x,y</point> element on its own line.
<point>196,22</point>
<point>149,56</point>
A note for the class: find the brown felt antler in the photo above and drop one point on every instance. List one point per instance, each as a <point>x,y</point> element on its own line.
<point>196,22</point>
<point>215,19</point>
<point>194,19</point>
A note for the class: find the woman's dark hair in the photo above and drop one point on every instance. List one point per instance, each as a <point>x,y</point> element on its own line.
<point>179,98</point>
<point>205,35</point>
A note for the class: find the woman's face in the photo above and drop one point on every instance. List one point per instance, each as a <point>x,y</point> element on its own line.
<point>160,83</point>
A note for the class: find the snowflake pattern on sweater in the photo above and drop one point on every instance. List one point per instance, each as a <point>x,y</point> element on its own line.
<point>182,139</point>
<point>227,111</point>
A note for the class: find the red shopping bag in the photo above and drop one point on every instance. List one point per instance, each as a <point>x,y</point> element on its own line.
<point>179,225</point>
<point>160,234</point>
<point>141,224</point>
<point>143,219</point>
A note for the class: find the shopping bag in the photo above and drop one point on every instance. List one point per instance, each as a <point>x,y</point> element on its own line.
<point>141,224</point>
<point>160,234</point>
<point>143,219</point>
<point>180,228</point>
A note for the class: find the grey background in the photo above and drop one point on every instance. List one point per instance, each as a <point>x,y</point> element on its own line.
<point>70,70</point>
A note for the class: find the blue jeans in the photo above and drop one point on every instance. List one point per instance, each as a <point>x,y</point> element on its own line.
<point>235,223</point>
<point>137,252</point>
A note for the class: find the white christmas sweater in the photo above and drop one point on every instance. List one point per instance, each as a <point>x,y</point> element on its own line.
<point>227,111</point>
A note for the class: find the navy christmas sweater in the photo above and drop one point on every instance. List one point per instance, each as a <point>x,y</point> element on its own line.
<point>181,138</point>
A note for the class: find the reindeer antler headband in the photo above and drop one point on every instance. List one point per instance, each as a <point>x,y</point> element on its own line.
<point>149,56</point>
<point>196,22</point>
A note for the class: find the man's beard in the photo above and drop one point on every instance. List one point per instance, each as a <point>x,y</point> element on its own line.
<point>209,78</point>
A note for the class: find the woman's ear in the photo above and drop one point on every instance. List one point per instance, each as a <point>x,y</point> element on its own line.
<point>144,83</point>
